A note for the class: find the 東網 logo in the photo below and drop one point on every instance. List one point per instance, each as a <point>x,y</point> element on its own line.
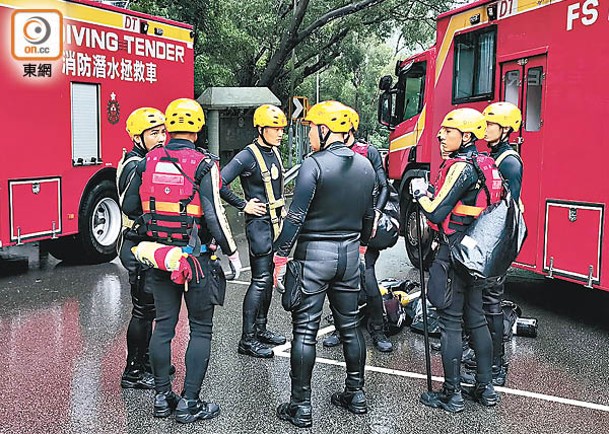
<point>37,34</point>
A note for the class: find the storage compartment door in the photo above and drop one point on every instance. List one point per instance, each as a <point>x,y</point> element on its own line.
<point>573,240</point>
<point>35,208</point>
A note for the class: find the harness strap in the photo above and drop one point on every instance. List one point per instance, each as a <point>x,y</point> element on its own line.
<point>503,157</point>
<point>273,204</point>
<point>507,154</point>
<point>177,208</point>
<point>468,210</point>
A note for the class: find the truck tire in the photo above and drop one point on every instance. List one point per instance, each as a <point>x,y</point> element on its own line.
<point>99,225</point>
<point>409,223</point>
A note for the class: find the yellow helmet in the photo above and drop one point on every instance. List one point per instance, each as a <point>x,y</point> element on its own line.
<point>268,115</point>
<point>354,118</point>
<point>143,119</point>
<point>333,114</point>
<point>466,120</point>
<point>504,114</point>
<point>184,115</point>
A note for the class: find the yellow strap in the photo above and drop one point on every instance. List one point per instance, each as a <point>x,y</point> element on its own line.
<point>127,222</point>
<point>172,207</point>
<point>468,210</point>
<point>274,204</point>
<point>498,162</point>
<point>507,154</point>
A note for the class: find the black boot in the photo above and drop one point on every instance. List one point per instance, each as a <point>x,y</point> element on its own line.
<point>251,347</point>
<point>499,376</point>
<point>449,398</point>
<point>191,410</point>
<point>296,414</point>
<point>468,377</point>
<point>333,340</point>
<point>165,403</point>
<point>135,376</point>
<point>381,343</point>
<point>137,379</point>
<point>269,337</point>
<point>499,372</point>
<point>435,346</point>
<point>352,400</point>
<point>469,357</point>
<point>483,393</point>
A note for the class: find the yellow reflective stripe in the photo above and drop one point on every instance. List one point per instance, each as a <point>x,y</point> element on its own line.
<point>411,138</point>
<point>274,204</point>
<point>457,22</point>
<point>127,222</point>
<point>219,209</point>
<point>429,205</point>
<point>468,210</point>
<point>507,154</point>
<point>172,207</point>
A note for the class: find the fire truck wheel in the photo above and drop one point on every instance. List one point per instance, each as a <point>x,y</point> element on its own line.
<point>99,223</point>
<point>409,223</point>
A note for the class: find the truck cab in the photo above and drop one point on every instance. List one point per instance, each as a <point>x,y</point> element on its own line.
<point>404,108</point>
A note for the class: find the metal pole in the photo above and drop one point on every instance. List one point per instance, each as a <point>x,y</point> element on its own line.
<point>317,84</point>
<point>423,299</point>
<point>290,141</point>
<point>291,126</point>
<point>213,132</point>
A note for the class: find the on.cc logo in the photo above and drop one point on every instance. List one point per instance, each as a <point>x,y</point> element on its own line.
<point>36,30</point>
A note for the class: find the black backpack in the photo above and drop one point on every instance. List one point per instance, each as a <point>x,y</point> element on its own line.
<point>387,230</point>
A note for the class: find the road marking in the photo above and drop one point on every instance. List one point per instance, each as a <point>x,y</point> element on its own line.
<point>281,352</point>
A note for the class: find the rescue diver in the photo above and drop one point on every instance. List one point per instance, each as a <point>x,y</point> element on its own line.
<point>260,170</point>
<point>502,118</point>
<point>175,194</point>
<point>331,213</point>
<point>467,182</point>
<point>374,300</point>
<point>146,128</point>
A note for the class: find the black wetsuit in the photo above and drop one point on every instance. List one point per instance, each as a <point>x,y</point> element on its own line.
<point>466,304</point>
<point>331,209</point>
<point>373,295</point>
<point>511,169</point>
<point>168,295</point>
<point>142,315</point>
<point>258,230</point>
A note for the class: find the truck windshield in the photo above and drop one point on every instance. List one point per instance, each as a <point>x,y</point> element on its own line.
<point>411,91</point>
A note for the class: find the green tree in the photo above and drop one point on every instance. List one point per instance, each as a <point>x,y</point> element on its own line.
<point>282,42</point>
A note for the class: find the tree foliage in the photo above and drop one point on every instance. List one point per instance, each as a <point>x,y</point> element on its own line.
<point>283,44</point>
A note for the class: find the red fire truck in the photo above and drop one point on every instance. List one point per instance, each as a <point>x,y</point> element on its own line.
<point>72,71</point>
<point>547,57</point>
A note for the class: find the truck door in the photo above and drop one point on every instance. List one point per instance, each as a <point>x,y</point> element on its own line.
<point>523,83</point>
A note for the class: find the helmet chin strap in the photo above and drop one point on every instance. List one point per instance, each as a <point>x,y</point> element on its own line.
<point>323,139</point>
<point>140,144</point>
<point>261,135</point>
<point>471,141</point>
<point>505,136</point>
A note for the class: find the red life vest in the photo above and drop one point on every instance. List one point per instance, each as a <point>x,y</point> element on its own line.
<point>361,148</point>
<point>170,198</point>
<point>462,214</point>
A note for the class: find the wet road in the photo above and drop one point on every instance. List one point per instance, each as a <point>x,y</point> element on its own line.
<point>62,346</point>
